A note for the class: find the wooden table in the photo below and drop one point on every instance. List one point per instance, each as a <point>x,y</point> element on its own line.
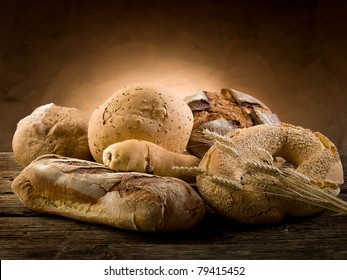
<point>25,234</point>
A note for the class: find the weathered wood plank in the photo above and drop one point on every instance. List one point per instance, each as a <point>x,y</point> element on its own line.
<point>52,238</point>
<point>8,163</point>
<point>25,234</point>
<point>9,169</point>
<point>11,206</point>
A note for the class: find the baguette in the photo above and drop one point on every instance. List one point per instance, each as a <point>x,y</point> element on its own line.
<point>91,192</point>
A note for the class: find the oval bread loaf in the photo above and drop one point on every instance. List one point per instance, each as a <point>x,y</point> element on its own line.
<point>89,191</point>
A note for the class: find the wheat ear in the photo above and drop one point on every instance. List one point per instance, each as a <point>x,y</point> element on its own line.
<point>193,170</point>
<point>225,181</point>
<point>222,143</point>
<point>294,185</point>
<point>313,193</point>
<point>214,136</point>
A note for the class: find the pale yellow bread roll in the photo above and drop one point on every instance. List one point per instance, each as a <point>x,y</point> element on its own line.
<point>312,155</point>
<point>91,192</point>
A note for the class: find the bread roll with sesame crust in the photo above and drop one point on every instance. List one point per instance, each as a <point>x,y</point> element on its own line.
<point>143,112</point>
<point>232,185</point>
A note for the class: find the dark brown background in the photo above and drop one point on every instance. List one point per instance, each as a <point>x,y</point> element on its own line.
<point>290,54</point>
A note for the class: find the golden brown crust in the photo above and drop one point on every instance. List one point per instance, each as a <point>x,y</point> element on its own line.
<point>143,112</point>
<point>51,129</point>
<point>147,157</point>
<point>301,147</point>
<point>91,192</point>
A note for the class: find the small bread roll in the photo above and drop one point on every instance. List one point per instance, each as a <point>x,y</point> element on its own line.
<point>52,129</point>
<point>91,192</point>
<point>143,112</point>
<point>143,156</point>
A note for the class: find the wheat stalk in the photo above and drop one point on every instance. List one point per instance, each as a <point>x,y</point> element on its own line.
<point>294,185</point>
<point>227,149</point>
<point>193,170</point>
<point>313,193</point>
<point>222,142</point>
<point>214,136</point>
<point>225,181</point>
<point>257,165</point>
<point>262,172</point>
<point>266,185</point>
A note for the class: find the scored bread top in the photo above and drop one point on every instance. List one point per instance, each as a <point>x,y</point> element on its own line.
<point>143,112</point>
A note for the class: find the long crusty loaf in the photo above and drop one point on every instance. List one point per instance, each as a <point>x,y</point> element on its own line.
<point>91,192</point>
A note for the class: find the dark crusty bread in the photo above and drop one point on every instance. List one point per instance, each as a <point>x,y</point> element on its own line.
<point>91,192</point>
<point>223,112</point>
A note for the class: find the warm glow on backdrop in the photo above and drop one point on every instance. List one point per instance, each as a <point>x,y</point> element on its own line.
<point>292,56</point>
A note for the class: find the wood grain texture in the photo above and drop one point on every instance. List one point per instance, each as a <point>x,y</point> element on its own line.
<point>25,234</point>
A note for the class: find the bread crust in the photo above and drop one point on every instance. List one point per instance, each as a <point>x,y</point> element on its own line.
<point>222,112</point>
<point>91,192</point>
<point>52,129</point>
<point>314,157</point>
<point>147,157</point>
<point>143,112</point>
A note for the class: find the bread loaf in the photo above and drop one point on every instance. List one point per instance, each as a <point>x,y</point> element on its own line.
<point>241,180</point>
<point>52,129</point>
<point>223,112</point>
<point>142,112</point>
<point>91,192</point>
